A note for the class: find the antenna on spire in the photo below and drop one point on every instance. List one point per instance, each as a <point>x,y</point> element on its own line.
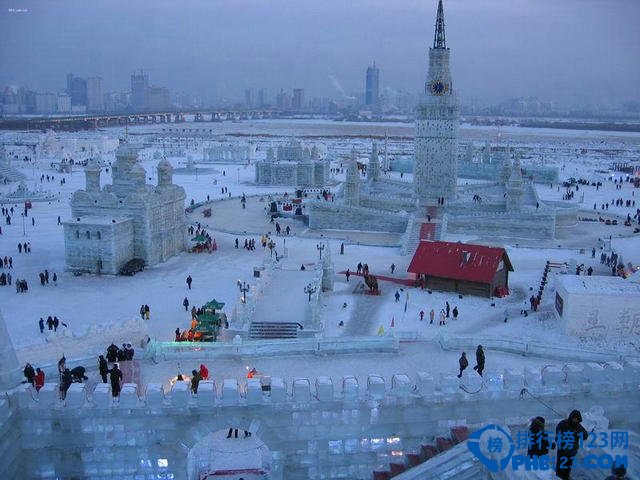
<point>439,40</point>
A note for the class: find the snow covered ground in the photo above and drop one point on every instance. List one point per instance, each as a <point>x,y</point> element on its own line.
<point>102,309</point>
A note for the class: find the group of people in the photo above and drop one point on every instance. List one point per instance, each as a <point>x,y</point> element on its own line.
<point>6,262</point>
<point>279,229</point>
<point>34,377</point>
<point>44,278</point>
<point>445,313</point>
<point>52,323</point>
<point>145,312</point>
<point>197,376</point>
<point>464,363</point>
<point>5,279</point>
<point>249,244</point>
<point>114,373</point>
<point>24,247</point>
<point>116,354</point>
<point>569,436</point>
<point>69,376</point>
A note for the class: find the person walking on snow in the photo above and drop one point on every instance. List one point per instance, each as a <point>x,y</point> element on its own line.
<point>479,360</point>
<point>185,304</point>
<point>393,267</point>
<point>115,376</point>
<point>455,313</point>
<point>41,325</point>
<point>421,315</point>
<point>447,308</point>
<point>432,316</point>
<point>397,295</point>
<point>442,317</point>
<point>103,367</point>
<point>189,280</point>
<point>464,363</point>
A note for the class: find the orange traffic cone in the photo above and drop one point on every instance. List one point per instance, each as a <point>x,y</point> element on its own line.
<point>393,322</point>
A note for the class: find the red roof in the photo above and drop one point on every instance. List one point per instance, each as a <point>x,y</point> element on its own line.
<point>458,261</point>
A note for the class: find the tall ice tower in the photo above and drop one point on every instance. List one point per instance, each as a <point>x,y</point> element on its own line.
<point>437,118</point>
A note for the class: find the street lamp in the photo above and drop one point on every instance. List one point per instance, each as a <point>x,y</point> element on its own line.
<point>310,289</point>
<point>244,288</point>
<point>320,248</point>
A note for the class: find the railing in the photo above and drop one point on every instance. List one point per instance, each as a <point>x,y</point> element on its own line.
<point>259,348</point>
<point>532,349</point>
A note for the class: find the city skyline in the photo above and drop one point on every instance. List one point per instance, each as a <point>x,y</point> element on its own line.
<point>499,51</point>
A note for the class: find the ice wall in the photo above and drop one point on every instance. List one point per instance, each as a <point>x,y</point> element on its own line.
<point>315,428</point>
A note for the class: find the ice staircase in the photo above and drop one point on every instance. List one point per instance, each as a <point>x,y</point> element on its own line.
<point>270,330</point>
<point>422,228</point>
<point>11,174</point>
<point>445,457</point>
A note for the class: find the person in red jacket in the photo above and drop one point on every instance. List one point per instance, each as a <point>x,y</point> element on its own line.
<point>39,379</point>
<point>204,372</point>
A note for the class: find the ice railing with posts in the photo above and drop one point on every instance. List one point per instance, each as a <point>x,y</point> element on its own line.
<point>552,380</point>
<point>533,349</point>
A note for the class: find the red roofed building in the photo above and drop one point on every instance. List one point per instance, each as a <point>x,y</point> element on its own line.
<point>461,267</point>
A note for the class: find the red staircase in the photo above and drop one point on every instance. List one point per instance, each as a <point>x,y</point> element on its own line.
<point>457,434</point>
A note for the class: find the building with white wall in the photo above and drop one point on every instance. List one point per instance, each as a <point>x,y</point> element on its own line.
<point>596,307</point>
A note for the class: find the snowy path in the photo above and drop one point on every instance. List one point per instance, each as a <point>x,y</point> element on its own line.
<point>361,321</point>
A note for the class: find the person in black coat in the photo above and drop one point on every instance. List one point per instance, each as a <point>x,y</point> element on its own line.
<point>570,435</point>
<point>115,376</point>
<point>539,443</point>
<point>195,381</point>
<point>112,353</point>
<point>66,379</point>
<point>464,363</point>
<point>78,374</point>
<point>30,374</point>
<point>479,360</point>
<point>103,367</point>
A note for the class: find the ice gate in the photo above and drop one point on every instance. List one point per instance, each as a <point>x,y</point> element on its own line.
<point>310,429</point>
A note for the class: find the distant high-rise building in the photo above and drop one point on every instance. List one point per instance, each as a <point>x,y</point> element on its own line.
<point>372,90</point>
<point>248,97</point>
<point>262,97</point>
<point>46,103</point>
<point>283,100</point>
<point>95,99</point>
<point>139,91</point>
<point>298,99</point>
<point>158,98</point>
<point>69,83</point>
<point>77,90</point>
<point>64,103</point>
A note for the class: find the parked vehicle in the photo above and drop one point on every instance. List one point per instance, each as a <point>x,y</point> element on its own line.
<point>132,267</point>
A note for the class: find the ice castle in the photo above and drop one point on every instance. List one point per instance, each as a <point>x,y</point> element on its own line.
<point>128,219</point>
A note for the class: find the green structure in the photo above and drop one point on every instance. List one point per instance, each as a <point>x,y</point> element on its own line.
<point>210,320</point>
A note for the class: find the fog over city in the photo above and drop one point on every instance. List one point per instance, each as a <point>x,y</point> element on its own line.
<point>566,51</point>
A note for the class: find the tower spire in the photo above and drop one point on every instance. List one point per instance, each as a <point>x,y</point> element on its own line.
<point>439,40</point>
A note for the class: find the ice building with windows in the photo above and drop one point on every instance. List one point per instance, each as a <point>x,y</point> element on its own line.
<point>128,219</point>
<point>293,165</point>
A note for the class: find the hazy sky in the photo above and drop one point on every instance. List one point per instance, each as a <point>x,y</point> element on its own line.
<point>566,50</point>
